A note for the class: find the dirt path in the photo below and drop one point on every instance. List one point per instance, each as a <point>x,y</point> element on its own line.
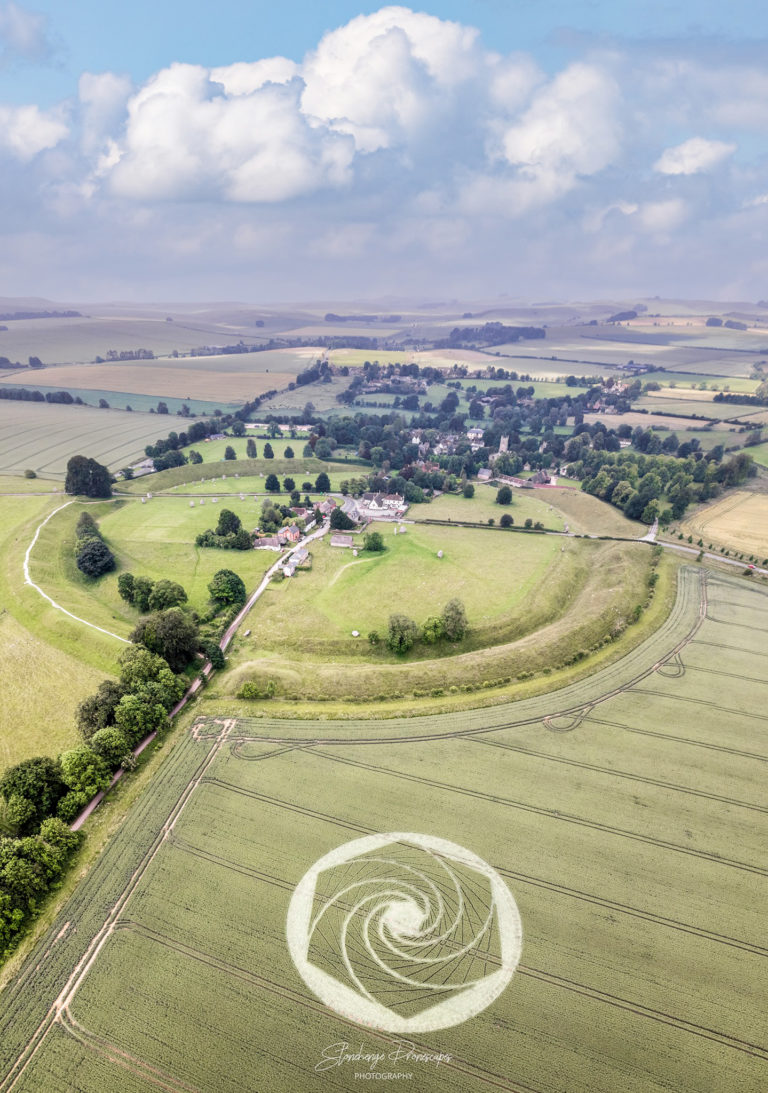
<point>28,580</point>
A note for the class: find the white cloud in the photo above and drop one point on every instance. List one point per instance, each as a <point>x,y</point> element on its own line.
<point>187,139</point>
<point>384,76</point>
<point>571,130</point>
<point>103,99</point>
<point>23,33</point>
<point>693,156</point>
<point>663,216</point>
<point>26,130</point>
<point>245,77</point>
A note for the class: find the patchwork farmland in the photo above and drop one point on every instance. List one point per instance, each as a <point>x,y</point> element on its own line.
<point>626,814</point>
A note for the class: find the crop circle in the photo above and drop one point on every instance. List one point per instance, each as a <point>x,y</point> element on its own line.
<point>404,932</point>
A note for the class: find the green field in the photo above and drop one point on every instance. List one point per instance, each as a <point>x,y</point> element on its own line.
<point>625,814</point>
<point>119,400</point>
<point>43,436</point>
<point>759,453</point>
<point>526,504</point>
<point>687,408</point>
<point>556,616</point>
<point>343,593</point>
<point>45,669</point>
<point>156,540</point>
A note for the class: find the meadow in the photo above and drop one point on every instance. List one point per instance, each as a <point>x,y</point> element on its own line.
<point>46,669</point>
<point>42,436</point>
<point>625,814</point>
<point>526,504</point>
<point>759,453</point>
<point>342,593</point>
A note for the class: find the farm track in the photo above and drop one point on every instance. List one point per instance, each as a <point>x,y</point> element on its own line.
<point>522,878</point>
<point>481,1074</point>
<point>113,1054</point>
<point>624,774</point>
<point>91,953</point>
<point>685,739</point>
<point>536,810</point>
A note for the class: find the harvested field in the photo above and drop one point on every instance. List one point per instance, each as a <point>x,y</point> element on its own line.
<point>738,521</point>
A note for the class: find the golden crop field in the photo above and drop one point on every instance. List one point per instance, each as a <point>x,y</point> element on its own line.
<point>738,521</point>
<point>175,380</point>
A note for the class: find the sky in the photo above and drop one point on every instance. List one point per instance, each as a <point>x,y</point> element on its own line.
<point>526,149</point>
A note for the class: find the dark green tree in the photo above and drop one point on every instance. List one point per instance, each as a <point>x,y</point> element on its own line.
<point>272,483</point>
<point>340,521</point>
<point>166,594</point>
<point>227,587</point>
<point>268,452</point>
<point>454,620</point>
<point>125,586</point>
<point>98,711</point>
<point>142,590</point>
<point>94,558</point>
<point>38,781</point>
<point>171,634</point>
<point>229,452</point>
<point>229,523</point>
<point>322,483</point>
<point>110,744</point>
<point>402,633</point>
<point>288,453</point>
<point>504,496</point>
<point>250,448</point>
<point>374,541</point>
<point>289,485</point>
<point>87,478</point>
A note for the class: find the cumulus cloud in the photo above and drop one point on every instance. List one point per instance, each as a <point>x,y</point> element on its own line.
<point>187,139</point>
<point>404,135</point>
<point>382,77</point>
<point>571,129</point>
<point>693,156</point>
<point>103,99</point>
<point>23,34</point>
<point>26,130</point>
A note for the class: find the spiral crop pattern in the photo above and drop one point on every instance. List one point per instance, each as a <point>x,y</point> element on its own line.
<point>406,925</point>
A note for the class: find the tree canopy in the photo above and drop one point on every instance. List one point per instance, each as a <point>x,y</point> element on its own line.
<point>87,478</point>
